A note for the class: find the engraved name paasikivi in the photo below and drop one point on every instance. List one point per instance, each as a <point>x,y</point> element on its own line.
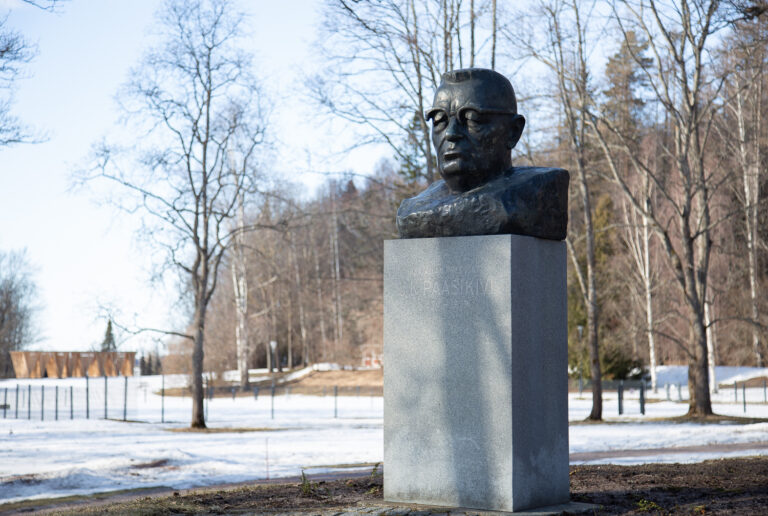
<point>468,287</point>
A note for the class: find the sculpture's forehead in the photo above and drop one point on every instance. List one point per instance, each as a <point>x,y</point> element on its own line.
<point>474,92</point>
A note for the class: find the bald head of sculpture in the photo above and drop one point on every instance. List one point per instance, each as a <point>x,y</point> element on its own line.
<point>475,126</point>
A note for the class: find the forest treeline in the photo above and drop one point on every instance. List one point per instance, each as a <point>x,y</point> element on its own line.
<point>655,107</point>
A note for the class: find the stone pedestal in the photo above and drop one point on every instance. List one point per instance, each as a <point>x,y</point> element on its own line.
<point>475,384</point>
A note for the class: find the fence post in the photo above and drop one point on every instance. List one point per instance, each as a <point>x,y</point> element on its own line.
<point>125,400</point>
<point>735,392</point>
<point>5,402</point>
<point>335,401</point>
<point>42,402</point>
<point>87,397</point>
<point>642,397</point>
<point>105,396</point>
<point>17,401</point>
<point>162,398</point>
<point>765,391</point>
<point>744,395</point>
<point>255,394</point>
<point>272,409</point>
<point>29,401</point>
<point>71,402</point>
<point>669,398</point>
<point>679,392</point>
<point>621,397</point>
<point>56,404</point>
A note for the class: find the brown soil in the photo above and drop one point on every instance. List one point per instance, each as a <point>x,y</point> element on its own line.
<point>725,486</point>
<point>752,382</point>
<point>367,382</point>
<point>364,382</point>
<point>363,378</point>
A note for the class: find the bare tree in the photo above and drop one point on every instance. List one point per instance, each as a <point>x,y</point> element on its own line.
<point>15,52</point>
<point>384,62</point>
<point>240,290</point>
<point>562,50</point>
<point>198,104</point>
<point>637,236</point>
<point>680,38</point>
<point>18,294</point>
<point>742,130</point>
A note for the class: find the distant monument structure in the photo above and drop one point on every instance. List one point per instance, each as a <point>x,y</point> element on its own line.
<point>68,364</point>
<point>475,338</point>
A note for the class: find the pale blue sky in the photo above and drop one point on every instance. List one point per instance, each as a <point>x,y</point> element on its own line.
<point>85,254</point>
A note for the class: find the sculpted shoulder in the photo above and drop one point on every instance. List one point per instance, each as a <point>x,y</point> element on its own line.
<point>531,201</point>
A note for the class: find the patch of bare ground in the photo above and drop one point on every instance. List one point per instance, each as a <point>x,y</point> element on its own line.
<point>362,382</point>
<point>757,381</point>
<point>712,418</point>
<point>365,382</point>
<point>716,418</point>
<point>724,486</point>
<point>362,377</point>
<point>717,487</point>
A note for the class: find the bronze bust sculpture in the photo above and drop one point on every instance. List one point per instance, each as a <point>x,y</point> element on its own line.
<point>475,126</point>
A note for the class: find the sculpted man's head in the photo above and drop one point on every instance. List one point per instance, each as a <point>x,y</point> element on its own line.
<point>475,126</point>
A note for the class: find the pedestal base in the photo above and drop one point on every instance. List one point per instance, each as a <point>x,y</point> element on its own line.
<point>475,384</point>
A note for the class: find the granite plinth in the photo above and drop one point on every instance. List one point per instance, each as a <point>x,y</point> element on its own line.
<point>475,384</point>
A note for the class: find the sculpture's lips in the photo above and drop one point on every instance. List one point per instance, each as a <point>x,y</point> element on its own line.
<point>451,155</point>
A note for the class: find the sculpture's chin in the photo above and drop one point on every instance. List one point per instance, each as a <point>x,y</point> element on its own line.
<point>456,184</point>
<point>463,181</point>
<point>453,167</point>
<point>456,176</point>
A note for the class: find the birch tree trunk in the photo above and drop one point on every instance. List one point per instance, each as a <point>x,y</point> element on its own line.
<point>711,346</point>
<point>300,301</point>
<point>335,272</point>
<point>320,304</point>
<point>240,286</point>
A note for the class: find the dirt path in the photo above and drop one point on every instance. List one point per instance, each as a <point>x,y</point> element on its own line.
<point>654,452</point>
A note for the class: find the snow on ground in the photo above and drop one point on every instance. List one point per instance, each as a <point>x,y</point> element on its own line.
<point>47,458</point>
<point>725,375</point>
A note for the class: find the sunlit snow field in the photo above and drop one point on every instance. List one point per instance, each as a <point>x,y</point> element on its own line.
<point>50,458</point>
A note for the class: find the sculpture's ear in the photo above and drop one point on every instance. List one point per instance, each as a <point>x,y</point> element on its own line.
<point>517,124</point>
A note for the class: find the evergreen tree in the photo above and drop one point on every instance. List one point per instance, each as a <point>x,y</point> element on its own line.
<point>108,344</point>
<point>624,104</point>
<point>413,166</point>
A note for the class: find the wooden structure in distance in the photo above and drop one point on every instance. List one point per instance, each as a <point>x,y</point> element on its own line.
<point>68,364</point>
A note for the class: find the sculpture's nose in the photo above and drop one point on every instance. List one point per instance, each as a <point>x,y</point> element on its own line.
<point>453,131</point>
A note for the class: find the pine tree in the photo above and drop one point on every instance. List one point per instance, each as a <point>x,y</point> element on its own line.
<point>108,344</point>
<point>413,166</point>
<point>624,72</point>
